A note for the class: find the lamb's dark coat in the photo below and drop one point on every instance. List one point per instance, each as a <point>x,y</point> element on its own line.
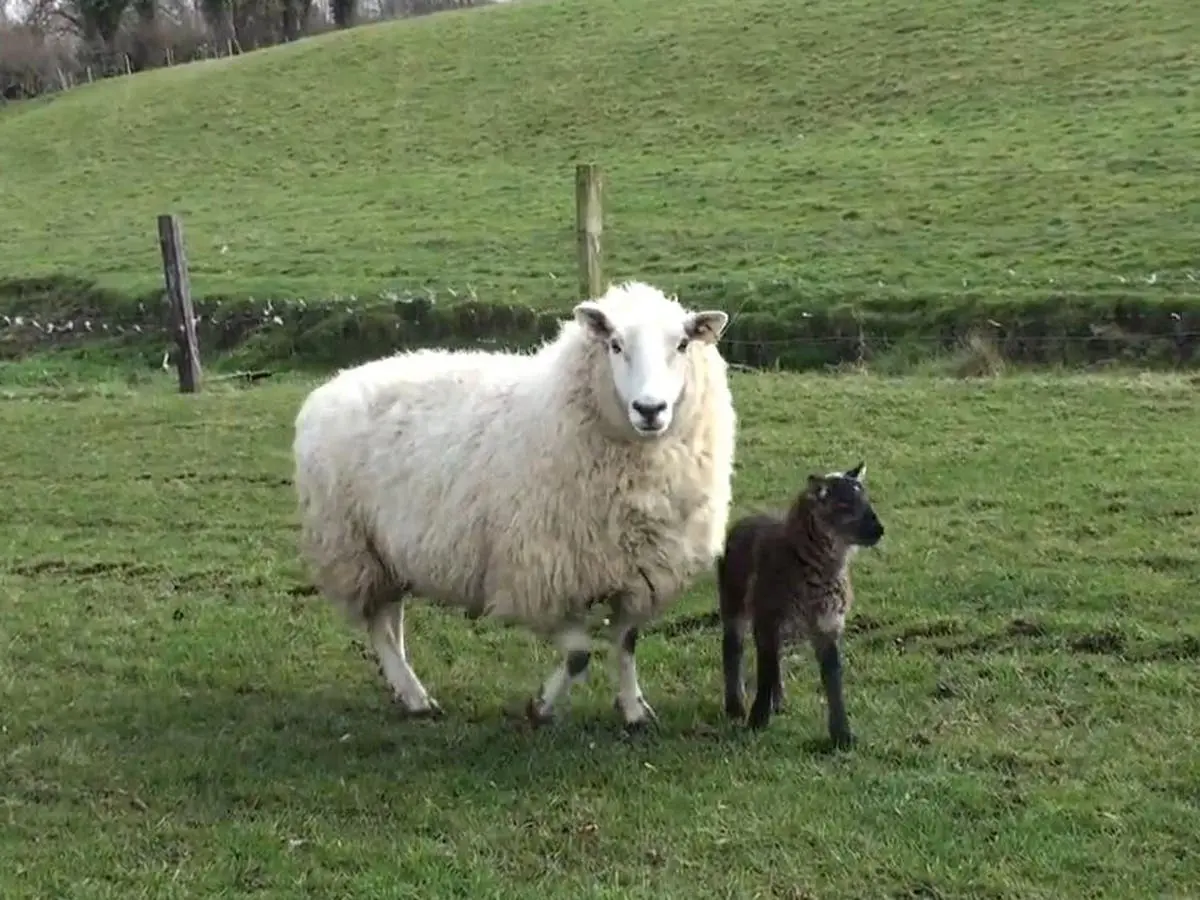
<point>788,577</point>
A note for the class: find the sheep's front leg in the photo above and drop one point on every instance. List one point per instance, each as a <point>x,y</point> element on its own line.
<point>575,645</point>
<point>386,630</point>
<point>633,707</point>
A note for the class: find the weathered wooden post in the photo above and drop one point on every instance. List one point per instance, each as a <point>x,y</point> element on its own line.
<point>589,224</point>
<point>179,295</point>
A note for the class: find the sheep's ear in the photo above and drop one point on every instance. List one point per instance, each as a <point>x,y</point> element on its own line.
<point>589,315</point>
<point>816,487</point>
<point>858,473</point>
<point>706,326</point>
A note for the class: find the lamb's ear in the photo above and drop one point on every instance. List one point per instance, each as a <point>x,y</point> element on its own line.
<point>816,487</point>
<point>706,326</point>
<point>594,320</point>
<point>858,473</point>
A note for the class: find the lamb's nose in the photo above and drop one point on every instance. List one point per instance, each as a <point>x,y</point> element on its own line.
<point>649,411</point>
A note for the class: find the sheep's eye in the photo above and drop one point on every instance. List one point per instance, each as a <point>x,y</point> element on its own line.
<point>683,345</point>
<point>614,345</point>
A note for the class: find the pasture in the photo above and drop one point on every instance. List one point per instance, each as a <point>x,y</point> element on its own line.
<point>181,717</point>
<point>937,155</point>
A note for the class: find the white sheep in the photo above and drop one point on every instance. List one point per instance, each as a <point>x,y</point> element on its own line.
<point>525,487</point>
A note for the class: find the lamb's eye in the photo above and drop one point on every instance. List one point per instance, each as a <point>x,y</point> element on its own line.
<point>683,345</point>
<point>614,345</point>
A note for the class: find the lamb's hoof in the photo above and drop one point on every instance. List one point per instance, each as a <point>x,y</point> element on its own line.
<point>842,739</point>
<point>760,715</point>
<point>640,721</point>
<point>536,715</point>
<point>734,709</point>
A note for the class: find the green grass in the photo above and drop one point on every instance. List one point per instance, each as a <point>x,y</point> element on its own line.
<point>180,720</point>
<point>851,149</point>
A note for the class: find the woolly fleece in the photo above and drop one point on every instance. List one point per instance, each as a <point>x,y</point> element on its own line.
<point>510,484</point>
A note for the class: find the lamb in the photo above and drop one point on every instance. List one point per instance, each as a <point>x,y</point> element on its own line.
<point>788,577</point>
<point>525,487</point>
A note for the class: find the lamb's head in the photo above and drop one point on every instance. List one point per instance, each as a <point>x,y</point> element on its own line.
<point>649,340</point>
<point>840,502</point>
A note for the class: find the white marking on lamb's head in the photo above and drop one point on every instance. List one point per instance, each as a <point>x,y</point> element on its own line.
<point>648,337</point>
<point>858,473</point>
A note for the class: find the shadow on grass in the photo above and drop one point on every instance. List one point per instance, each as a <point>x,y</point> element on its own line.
<point>235,746</point>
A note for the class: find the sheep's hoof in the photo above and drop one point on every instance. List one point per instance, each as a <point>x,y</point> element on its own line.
<point>536,715</point>
<point>432,710</point>
<point>735,709</point>
<point>642,721</point>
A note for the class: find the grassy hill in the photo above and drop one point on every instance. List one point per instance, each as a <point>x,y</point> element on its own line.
<point>872,152</point>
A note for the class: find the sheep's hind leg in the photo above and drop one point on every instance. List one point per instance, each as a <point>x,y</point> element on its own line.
<point>386,629</point>
<point>633,707</point>
<point>575,645</point>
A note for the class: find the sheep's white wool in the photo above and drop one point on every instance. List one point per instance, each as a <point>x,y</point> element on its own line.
<point>516,485</point>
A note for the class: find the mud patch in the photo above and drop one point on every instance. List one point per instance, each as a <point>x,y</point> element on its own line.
<point>218,478</point>
<point>1107,642</point>
<point>1163,562</point>
<point>1174,650</point>
<point>922,890</point>
<point>687,625</point>
<point>979,504</point>
<point>910,633</point>
<point>861,624</point>
<point>1026,628</point>
<point>944,691</point>
<point>68,569</point>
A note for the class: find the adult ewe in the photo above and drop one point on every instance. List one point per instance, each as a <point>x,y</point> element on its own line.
<point>525,487</point>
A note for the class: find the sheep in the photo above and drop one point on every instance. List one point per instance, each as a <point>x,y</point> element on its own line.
<point>789,576</point>
<point>525,487</point>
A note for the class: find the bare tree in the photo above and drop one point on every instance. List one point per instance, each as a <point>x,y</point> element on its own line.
<point>294,17</point>
<point>97,21</point>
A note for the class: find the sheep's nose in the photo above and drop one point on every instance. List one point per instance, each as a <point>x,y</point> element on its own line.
<point>649,411</point>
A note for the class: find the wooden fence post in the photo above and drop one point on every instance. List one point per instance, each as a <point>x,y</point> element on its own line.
<point>589,223</point>
<point>179,295</point>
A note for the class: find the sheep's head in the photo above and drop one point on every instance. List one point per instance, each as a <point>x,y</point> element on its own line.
<point>648,339</point>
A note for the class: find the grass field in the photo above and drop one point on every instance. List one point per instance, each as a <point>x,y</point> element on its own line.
<point>856,149</point>
<point>181,719</point>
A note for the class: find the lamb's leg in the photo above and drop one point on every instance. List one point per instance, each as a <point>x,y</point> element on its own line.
<point>575,645</point>
<point>387,637</point>
<point>777,691</point>
<point>766,645</point>
<point>633,707</point>
<point>829,657</point>
<point>732,651</point>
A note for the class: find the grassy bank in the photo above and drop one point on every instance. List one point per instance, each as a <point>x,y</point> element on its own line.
<point>63,324</point>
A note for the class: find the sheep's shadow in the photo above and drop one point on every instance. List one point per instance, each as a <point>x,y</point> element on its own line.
<point>216,748</point>
<point>219,736</point>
